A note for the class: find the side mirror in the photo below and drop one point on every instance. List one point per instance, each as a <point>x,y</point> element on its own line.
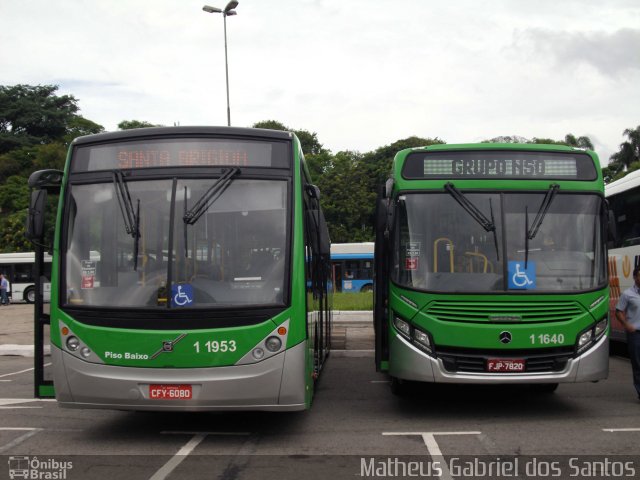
<point>34,230</point>
<point>313,191</point>
<point>46,179</point>
<point>320,241</point>
<point>612,229</point>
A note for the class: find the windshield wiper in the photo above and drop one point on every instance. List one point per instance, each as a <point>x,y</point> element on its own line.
<point>192,215</point>
<point>537,221</point>
<point>130,216</point>
<point>475,213</point>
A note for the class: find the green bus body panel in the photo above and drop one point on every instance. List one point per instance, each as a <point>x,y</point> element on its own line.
<point>147,341</point>
<point>465,333</point>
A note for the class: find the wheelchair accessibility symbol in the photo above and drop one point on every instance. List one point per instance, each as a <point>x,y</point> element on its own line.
<point>181,295</point>
<point>521,278</point>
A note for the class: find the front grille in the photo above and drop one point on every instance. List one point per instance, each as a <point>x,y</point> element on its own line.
<point>497,312</point>
<point>550,360</point>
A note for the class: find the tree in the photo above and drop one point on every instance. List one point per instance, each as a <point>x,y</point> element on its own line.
<point>130,124</point>
<point>346,198</point>
<point>308,140</point>
<point>33,115</point>
<point>629,150</point>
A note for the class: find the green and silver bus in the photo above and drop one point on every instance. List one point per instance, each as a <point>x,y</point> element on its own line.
<point>491,266</point>
<point>190,272</point>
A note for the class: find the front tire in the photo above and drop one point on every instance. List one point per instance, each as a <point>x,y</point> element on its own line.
<point>399,387</point>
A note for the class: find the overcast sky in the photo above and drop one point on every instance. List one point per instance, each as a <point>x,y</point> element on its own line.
<point>359,73</point>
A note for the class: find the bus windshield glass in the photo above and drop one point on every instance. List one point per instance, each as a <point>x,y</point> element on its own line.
<point>440,247</point>
<point>233,255</point>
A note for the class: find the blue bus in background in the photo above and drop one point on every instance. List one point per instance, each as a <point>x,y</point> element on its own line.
<point>352,267</point>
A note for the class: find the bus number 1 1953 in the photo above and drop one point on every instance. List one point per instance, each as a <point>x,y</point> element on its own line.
<point>214,346</point>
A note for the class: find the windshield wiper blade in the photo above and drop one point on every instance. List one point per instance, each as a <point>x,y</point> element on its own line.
<point>192,215</point>
<point>542,211</point>
<point>474,212</point>
<point>131,218</point>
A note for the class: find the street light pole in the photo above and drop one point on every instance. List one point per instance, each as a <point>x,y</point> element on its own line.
<point>228,11</point>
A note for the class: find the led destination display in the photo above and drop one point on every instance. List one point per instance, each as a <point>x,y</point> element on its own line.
<point>181,153</point>
<point>499,165</point>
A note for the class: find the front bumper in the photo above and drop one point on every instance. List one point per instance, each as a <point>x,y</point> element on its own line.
<point>277,383</point>
<point>409,363</point>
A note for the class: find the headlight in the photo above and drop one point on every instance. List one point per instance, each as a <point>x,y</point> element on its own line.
<point>589,337</point>
<point>422,338</point>
<point>273,344</point>
<point>585,338</point>
<point>402,326</point>
<point>73,343</point>
<point>601,327</point>
<point>419,338</point>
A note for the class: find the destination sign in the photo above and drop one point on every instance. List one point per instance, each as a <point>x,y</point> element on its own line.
<point>181,153</point>
<point>499,165</point>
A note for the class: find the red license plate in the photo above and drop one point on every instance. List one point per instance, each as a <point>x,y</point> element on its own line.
<point>505,365</point>
<point>170,392</point>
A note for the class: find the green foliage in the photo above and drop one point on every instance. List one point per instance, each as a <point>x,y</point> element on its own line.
<point>569,140</point>
<point>308,140</point>
<point>14,194</point>
<point>32,115</point>
<point>131,124</point>
<point>353,301</point>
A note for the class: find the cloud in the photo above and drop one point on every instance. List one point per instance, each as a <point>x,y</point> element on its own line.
<point>611,53</point>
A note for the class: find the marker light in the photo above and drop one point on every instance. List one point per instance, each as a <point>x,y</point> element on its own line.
<point>258,353</point>
<point>65,331</point>
<point>73,343</point>
<point>273,344</point>
<point>282,331</point>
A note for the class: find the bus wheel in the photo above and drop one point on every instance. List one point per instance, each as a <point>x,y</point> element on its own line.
<point>545,387</point>
<point>30,295</point>
<point>399,387</point>
<point>367,288</point>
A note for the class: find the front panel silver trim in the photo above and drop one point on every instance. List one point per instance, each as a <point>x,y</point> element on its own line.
<point>259,386</point>
<point>409,363</point>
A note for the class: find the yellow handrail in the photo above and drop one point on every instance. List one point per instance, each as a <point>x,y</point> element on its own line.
<point>483,257</point>
<point>435,253</point>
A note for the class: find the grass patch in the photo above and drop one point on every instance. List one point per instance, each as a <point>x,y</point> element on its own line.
<point>353,301</point>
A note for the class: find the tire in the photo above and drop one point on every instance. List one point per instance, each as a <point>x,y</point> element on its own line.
<point>30,295</point>
<point>399,387</point>
<point>545,387</point>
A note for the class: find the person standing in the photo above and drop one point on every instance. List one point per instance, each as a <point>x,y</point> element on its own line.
<point>628,313</point>
<point>4,290</point>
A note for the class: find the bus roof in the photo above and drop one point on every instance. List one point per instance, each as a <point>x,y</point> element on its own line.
<point>623,184</point>
<point>343,251</point>
<point>180,131</point>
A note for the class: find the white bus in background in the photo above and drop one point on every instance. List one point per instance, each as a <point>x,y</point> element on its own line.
<point>18,268</point>
<point>624,254</point>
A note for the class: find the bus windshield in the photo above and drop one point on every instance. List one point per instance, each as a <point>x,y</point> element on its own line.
<point>440,247</point>
<point>234,255</point>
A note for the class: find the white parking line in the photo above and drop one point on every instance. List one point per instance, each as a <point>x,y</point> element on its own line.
<point>10,403</point>
<point>21,371</point>
<point>30,433</point>
<point>621,429</point>
<point>184,452</point>
<point>433,448</point>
